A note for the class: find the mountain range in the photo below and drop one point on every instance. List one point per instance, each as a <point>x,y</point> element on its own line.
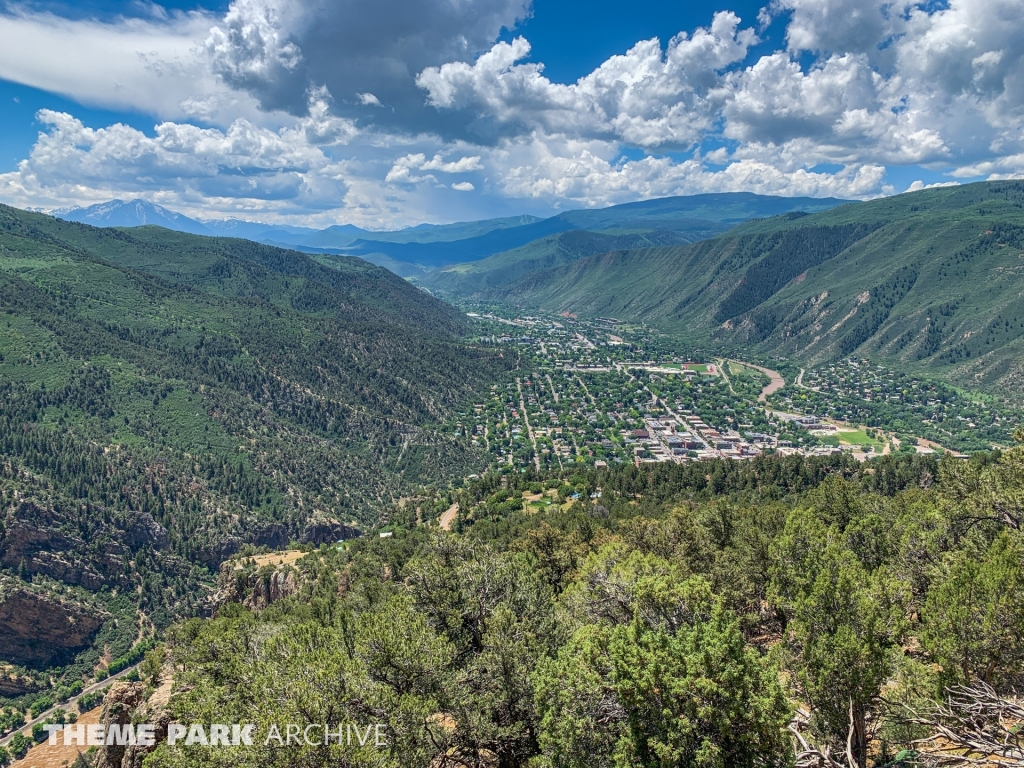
<point>137,213</point>
<point>416,251</point>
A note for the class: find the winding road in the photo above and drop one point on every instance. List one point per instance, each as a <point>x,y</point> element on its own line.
<point>26,730</point>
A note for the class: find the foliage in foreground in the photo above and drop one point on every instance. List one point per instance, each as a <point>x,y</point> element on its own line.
<point>666,628</point>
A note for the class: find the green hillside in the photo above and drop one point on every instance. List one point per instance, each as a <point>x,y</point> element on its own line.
<point>929,280</point>
<point>551,251</point>
<point>169,398</point>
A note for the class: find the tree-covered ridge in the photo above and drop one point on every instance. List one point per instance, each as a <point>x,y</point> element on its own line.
<point>688,616</point>
<point>168,398</point>
<point>563,248</point>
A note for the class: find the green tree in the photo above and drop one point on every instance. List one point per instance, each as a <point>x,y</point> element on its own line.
<point>844,626</point>
<point>974,616</point>
<point>18,746</point>
<point>675,685</point>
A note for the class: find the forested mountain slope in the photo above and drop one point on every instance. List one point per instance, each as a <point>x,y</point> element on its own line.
<point>930,279</point>
<point>167,398</point>
<point>551,251</point>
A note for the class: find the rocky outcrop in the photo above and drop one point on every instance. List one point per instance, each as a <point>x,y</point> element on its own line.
<point>13,684</point>
<point>273,535</point>
<point>255,588</point>
<point>146,531</point>
<point>35,548</point>
<point>123,704</point>
<point>32,541</point>
<point>38,628</point>
<point>271,588</point>
<point>328,531</point>
<point>119,705</point>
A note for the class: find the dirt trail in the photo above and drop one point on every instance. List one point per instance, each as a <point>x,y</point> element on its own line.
<point>449,517</point>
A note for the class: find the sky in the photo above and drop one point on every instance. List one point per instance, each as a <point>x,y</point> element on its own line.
<point>390,113</point>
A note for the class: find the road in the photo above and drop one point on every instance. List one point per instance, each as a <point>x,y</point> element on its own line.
<point>449,517</point>
<point>526,420</point>
<point>552,385</point>
<point>587,391</point>
<point>67,705</point>
<point>725,375</point>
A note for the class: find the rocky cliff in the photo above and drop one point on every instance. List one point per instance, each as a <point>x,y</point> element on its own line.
<point>38,628</point>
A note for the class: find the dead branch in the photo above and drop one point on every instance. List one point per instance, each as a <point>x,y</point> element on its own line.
<point>974,726</point>
<point>808,754</point>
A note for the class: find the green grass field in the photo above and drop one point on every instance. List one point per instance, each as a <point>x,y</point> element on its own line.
<point>859,437</point>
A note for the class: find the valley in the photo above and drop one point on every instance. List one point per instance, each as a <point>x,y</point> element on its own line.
<point>924,282</point>
<point>594,393</point>
<point>219,456</point>
<point>168,400</point>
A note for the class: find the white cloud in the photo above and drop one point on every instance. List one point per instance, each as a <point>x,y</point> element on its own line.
<point>462,165</point>
<point>148,65</point>
<point>274,49</point>
<point>647,97</point>
<point>402,171</point>
<point>918,185</point>
<point>463,186</point>
<point>244,164</point>
<point>830,26</point>
<point>588,173</point>
<point>1011,166</point>
<point>251,49</point>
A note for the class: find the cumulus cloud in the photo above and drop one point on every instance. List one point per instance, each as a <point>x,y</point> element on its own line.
<point>402,171</point>
<point>647,97</point>
<point>366,53</point>
<point>918,185</point>
<point>245,164</point>
<point>829,26</point>
<point>945,84</point>
<point>588,173</point>
<point>250,48</point>
<point>260,53</point>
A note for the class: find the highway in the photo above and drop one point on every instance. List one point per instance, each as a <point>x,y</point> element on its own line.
<point>67,705</point>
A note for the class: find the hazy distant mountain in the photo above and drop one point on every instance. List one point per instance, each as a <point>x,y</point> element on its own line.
<point>347,234</point>
<point>694,217</point>
<point>257,230</point>
<point>137,213</point>
<point>415,251</point>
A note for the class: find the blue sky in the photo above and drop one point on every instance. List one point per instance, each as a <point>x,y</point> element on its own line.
<point>401,111</point>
